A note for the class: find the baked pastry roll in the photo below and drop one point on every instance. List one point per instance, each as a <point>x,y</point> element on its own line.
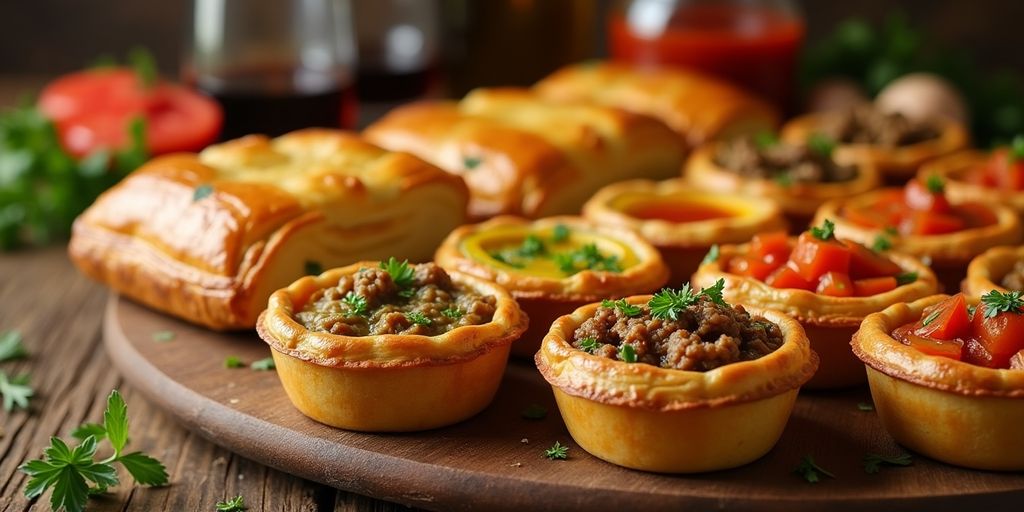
<point>977,176</point>
<point>698,107</point>
<point>999,268</point>
<point>207,237</point>
<point>522,155</point>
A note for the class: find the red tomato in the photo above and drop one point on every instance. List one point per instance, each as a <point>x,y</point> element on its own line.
<point>751,266</point>
<point>975,353</point>
<point>786,277</point>
<point>887,211</point>
<point>947,320</point>
<point>917,197</point>
<point>813,257</point>
<point>835,284</point>
<point>1006,172</point>
<point>1001,336</point>
<point>953,349</point>
<point>873,286</point>
<point>866,263</point>
<point>772,248</point>
<point>93,109</point>
<point>927,223</point>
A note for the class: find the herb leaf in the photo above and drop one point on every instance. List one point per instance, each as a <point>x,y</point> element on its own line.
<point>881,244</point>
<point>11,346</point>
<point>668,303</point>
<point>453,312</point>
<point>532,246</point>
<point>163,336</point>
<point>16,391</point>
<point>589,345</point>
<point>144,65</point>
<point>712,255</point>
<point>821,144</point>
<point>263,365</point>
<point>471,162</point>
<point>906,278</point>
<point>401,273</point>
<point>418,318</point>
<point>627,353</point>
<point>236,504</point>
<point>622,305</point>
<point>1017,148</point>
<point>534,412</point>
<point>201,192</point>
<point>560,233</point>
<point>784,179</point>
<point>89,429</point>
<point>233,362</point>
<point>144,469</point>
<point>714,292</point>
<point>765,139</point>
<point>356,303</point>
<point>997,302</point>
<point>557,452</point>
<point>313,268</point>
<point>826,232</point>
<point>810,470</point>
<point>873,461</point>
<point>930,318</point>
<point>115,422</point>
<point>934,184</point>
<point>588,257</point>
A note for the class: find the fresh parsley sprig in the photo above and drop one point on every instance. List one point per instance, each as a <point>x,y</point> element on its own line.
<point>627,353</point>
<point>558,451</point>
<point>826,232</point>
<point>356,303</point>
<point>589,345</point>
<point>906,278</point>
<point>73,474</point>
<point>401,273</point>
<point>418,318</point>
<point>668,303</point>
<point>881,243</point>
<point>934,184</point>
<point>810,470</point>
<point>453,312</point>
<point>997,302</point>
<point>11,346</point>
<point>236,504</point>
<point>587,257</point>
<point>873,462</point>
<point>623,306</point>
<point>15,390</point>
<point>560,233</point>
<point>263,365</point>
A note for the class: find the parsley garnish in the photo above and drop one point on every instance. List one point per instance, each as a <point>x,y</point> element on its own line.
<point>560,233</point>
<point>407,293</point>
<point>233,362</point>
<point>356,303</point>
<point>532,246</point>
<point>811,471</point>
<point>784,179</point>
<point>873,461</point>
<point>891,231</point>
<point>418,318</point>
<point>826,232</point>
<point>906,278</point>
<point>881,243</point>
<point>201,192</point>
<point>89,429</point>
<point>15,390</point>
<point>930,318</point>
<point>506,259</point>
<point>588,257</point>
<point>313,268</point>
<point>711,256</point>
<point>71,471</point>
<point>971,308</point>
<point>263,365</point>
<point>934,184</point>
<point>668,303</point>
<point>471,162</point>
<point>163,336</point>
<point>11,346</point>
<point>714,292</point>
<point>144,65</point>
<point>997,302</point>
<point>821,145</point>
<point>627,353</point>
<point>534,412</point>
<point>557,451</point>
<point>236,504</point>
<point>401,273</point>
<point>453,312</point>
<point>765,139</point>
<point>1017,148</point>
<point>626,308</point>
<point>589,345</point>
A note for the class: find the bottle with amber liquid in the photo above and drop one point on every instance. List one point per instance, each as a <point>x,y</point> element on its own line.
<point>274,65</point>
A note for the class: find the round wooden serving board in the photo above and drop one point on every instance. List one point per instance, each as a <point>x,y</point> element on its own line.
<point>494,461</point>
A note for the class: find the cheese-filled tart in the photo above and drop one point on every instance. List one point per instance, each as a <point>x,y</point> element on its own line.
<point>207,237</point>
<point>634,377</point>
<point>999,268</point>
<point>553,265</point>
<point>921,221</point>
<point>947,377</point>
<point>697,106</point>
<point>523,155</point>
<point>983,177</point>
<point>892,143</point>
<point>390,347</point>
<point>799,177</point>
<point>683,223</point>
<point>827,284</point>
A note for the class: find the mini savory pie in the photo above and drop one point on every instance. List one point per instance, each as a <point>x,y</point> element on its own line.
<point>921,221</point>
<point>890,142</point>
<point>636,378</point>
<point>982,177</point>
<point>799,177</point>
<point>947,381</point>
<point>389,347</point>
<point>697,106</point>
<point>554,265</point>
<point>999,268</point>
<point>828,285</point>
<point>208,237</point>
<point>523,155</point>
<point>681,222</point>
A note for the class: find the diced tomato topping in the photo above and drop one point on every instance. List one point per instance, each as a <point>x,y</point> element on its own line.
<point>787,277</point>
<point>751,266</point>
<point>835,284</point>
<point>927,223</point>
<point>1005,171</point>
<point>952,349</point>
<point>812,257</point>
<point>772,248</point>
<point>1002,335</point>
<point>887,211</point>
<point>866,263</point>
<point>947,320</point>
<point>975,353</point>
<point>918,197</point>
<point>874,286</point>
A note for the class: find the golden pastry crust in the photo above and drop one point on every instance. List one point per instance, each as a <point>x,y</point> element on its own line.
<point>954,168</point>
<point>208,237</point>
<point>522,155</point>
<point>749,215</point>
<point>897,163</point>
<point>643,386</point>
<point>946,250</point>
<point>643,269</point>
<point>987,270</point>
<point>279,328</point>
<point>799,200</point>
<point>696,106</point>
<point>809,307</point>
<point>875,345</point>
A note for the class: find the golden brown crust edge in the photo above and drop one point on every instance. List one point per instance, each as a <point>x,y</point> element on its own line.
<point>989,268</point>
<point>644,386</point>
<point>952,169</point>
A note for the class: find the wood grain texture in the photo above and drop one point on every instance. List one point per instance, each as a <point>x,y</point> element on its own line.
<point>59,315</point>
<point>485,464</point>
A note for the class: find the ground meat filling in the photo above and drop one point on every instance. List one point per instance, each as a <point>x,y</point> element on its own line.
<point>1014,280</point>
<point>706,336</point>
<point>369,302</point>
<point>867,125</point>
<point>779,161</point>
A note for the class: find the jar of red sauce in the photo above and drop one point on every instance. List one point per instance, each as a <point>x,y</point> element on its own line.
<point>752,43</point>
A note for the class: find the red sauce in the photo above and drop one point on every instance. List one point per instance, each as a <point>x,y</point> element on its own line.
<point>915,210</point>
<point>755,48</point>
<point>673,211</point>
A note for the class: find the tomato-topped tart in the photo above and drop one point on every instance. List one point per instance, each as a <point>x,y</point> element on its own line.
<point>553,265</point>
<point>999,268</point>
<point>920,220</point>
<point>798,177</point>
<point>826,283</point>
<point>947,376</point>
<point>678,382</point>
<point>681,222</point>
<point>892,143</point>
<point>978,176</point>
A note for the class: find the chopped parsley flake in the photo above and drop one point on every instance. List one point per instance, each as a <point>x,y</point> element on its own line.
<point>557,452</point>
<point>589,345</point>
<point>560,233</point>
<point>810,470</point>
<point>453,312</point>
<point>356,303</point>
<point>401,273</point>
<point>627,353</point>
<point>201,192</point>
<point>826,232</point>
<point>588,257</point>
<point>622,305</point>
<point>418,318</point>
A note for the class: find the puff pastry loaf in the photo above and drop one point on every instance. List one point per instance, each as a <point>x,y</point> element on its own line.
<point>523,155</point>
<point>697,106</point>
<point>208,237</point>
